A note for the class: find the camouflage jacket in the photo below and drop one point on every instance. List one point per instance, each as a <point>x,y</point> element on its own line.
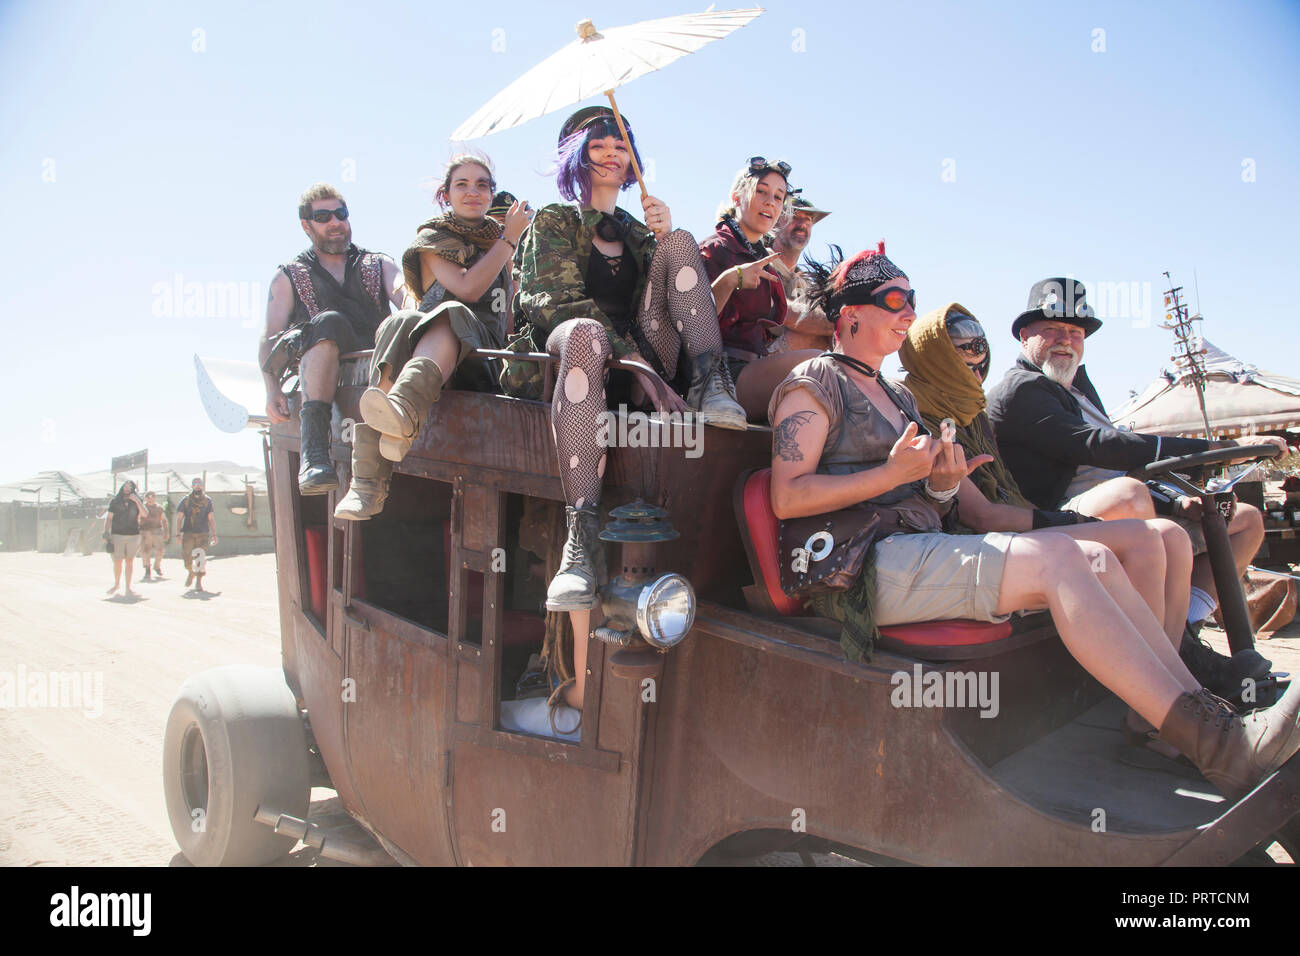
<point>551,270</point>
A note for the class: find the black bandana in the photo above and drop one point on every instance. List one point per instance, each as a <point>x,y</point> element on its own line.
<point>755,249</point>
<point>867,272</point>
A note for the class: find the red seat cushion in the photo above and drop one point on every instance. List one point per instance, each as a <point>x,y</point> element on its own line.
<point>762,525</point>
<point>317,563</point>
<point>762,521</point>
<point>947,633</point>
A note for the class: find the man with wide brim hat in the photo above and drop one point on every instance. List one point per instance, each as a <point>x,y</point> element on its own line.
<point>805,327</point>
<point>1054,435</point>
<point>799,204</point>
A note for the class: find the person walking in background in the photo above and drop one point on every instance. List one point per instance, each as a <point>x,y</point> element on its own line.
<point>196,526</point>
<point>122,532</point>
<point>154,535</point>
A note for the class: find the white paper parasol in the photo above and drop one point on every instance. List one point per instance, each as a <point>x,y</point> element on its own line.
<point>597,62</point>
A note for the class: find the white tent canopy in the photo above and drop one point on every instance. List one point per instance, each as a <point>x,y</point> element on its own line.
<point>1239,398</point>
<point>47,487</point>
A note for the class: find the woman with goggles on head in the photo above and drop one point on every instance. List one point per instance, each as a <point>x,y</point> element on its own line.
<point>458,268</point>
<point>747,289</point>
<point>596,284</point>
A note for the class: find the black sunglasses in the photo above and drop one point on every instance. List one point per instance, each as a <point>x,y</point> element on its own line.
<point>758,164</point>
<point>324,215</point>
<point>975,346</point>
<point>893,300</point>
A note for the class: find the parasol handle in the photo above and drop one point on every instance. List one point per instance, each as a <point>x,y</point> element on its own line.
<point>636,167</point>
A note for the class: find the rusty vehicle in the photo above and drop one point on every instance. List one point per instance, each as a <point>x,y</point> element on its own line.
<point>403,637</point>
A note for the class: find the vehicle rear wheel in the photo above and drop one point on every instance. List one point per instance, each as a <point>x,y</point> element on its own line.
<point>234,741</point>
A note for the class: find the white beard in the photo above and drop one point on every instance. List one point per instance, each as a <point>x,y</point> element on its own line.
<point>1061,370</point>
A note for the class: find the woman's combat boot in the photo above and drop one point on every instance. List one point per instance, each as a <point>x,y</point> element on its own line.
<point>1234,751</point>
<point>399,414</point>
<point>576,585</point>
<point>316,476</point>
<point>370,476</point>
<point>712,393</point>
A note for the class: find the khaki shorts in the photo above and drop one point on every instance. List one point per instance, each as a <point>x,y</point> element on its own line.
<point>151,544</point>
<point>939,577</point>
<point>124,545</point>
<point>189,541</point>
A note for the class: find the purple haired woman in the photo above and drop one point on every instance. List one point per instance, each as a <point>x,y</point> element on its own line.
<point>595,284</point>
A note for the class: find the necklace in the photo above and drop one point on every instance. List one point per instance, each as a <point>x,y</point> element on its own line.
<point>851,362</point>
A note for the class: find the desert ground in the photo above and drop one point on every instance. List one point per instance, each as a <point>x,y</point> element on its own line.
<point>84,788</point>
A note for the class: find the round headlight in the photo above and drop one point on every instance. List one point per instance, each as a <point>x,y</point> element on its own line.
<point>665,611</point>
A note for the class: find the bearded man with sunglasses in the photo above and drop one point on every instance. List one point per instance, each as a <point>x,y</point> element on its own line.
<point>329,300</point>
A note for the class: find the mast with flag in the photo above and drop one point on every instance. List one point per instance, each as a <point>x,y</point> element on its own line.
<point>1189,354</point>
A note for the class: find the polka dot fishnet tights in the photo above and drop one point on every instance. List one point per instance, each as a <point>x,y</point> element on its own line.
<point>677,312</point>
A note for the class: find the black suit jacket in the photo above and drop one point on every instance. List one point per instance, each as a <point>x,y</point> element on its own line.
<point>1043,437</point>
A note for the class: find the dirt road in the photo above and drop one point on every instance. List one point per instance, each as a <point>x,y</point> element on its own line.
<point>82,784</point>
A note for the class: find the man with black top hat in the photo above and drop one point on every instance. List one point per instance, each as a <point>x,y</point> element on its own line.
<point>328,300</point>
<point>1056,438</point>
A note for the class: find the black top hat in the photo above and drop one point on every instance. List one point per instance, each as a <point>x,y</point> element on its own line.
<point>1063,300</point>
<point>588,116</point>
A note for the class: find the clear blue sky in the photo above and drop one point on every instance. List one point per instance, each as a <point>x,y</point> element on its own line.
<point>130,158</point>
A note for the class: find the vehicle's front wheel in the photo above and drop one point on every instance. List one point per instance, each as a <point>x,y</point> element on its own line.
<point>234,741</point>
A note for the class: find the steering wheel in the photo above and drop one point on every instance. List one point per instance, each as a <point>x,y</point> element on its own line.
<point>1215,456</point>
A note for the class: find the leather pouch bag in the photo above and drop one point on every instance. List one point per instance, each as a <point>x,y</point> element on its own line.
<point>825,552</point>
<point>286,353</point>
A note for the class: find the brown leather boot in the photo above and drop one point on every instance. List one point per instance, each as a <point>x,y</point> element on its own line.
<point>370,476</point>
<point>1234,751</point>
<point>399,414</point>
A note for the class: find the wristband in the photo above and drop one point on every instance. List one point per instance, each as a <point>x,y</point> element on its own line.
<point>509,243</point>
<point>740,278</point>
<point>941,495</point>
<point>1059,519</point>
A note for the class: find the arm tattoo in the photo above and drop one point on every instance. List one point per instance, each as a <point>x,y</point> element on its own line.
<point>783,440</point>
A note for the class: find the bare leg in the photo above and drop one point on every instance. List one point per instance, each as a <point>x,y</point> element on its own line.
<point>1052,570</point>
<point>319,371</point>
<point>1115,499</point>
<point>581,621</point>
<point>117,574</point>
<point>1157,557</point>
<point>130,564</point>
<point>1245,534</point>
<point>438,342</point>
<point>759,379</point>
